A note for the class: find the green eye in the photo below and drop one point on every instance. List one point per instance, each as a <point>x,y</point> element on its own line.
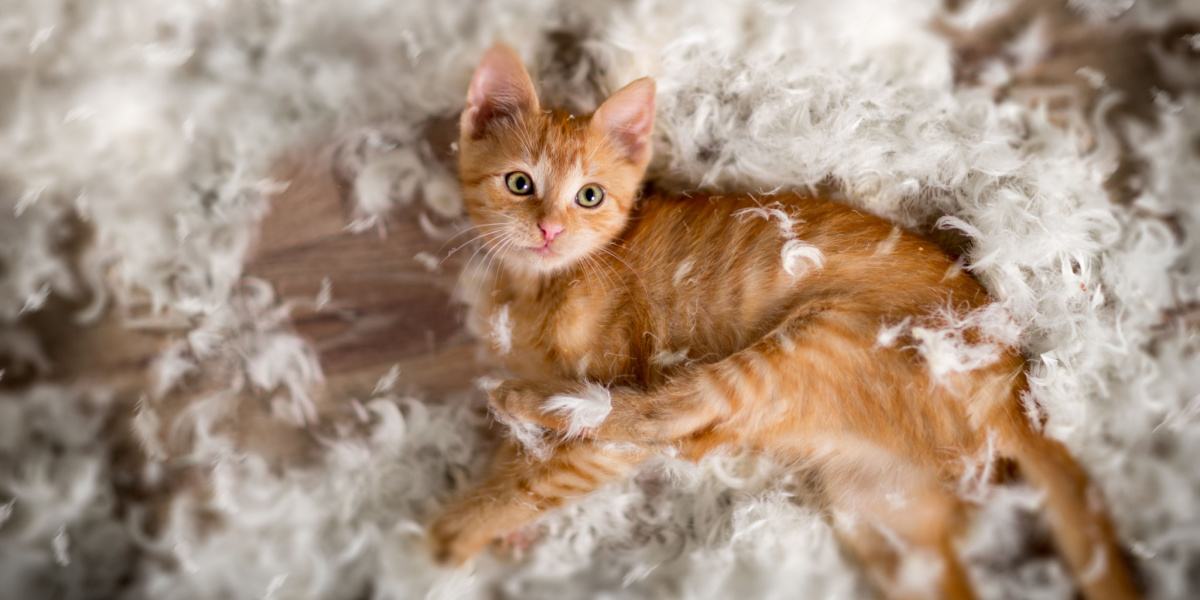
<point>590,196</point>
<point>519,183</point>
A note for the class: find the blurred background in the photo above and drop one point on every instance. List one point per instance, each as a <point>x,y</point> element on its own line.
<point>233,364</point>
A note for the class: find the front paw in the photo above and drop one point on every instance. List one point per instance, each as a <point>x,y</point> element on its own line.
<point>580,410</point>
<point>453,538</point>
<point>520,402</point>
<point>517,543</point>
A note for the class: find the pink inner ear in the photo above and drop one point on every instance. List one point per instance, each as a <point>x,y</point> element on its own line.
<point>500,87</point>
<point>627,117</point>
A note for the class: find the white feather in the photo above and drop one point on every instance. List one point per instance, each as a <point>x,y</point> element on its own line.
<point>795,253</point>
<point>669,358</point>
<point>173,152</point>
<point>502,330</point>
<point>585,409</point>
<point>888,334</point>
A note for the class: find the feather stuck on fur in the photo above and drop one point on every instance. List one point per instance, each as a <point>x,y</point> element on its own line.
<point>794,252</point>
<point>584,410</point>
<point>502,331</point>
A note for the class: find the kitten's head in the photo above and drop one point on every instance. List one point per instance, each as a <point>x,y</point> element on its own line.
<point>544,188</point>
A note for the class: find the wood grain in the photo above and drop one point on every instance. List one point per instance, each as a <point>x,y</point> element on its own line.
<point>386,308</point>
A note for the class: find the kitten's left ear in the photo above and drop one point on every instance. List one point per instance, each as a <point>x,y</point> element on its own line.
<point>627,118</point>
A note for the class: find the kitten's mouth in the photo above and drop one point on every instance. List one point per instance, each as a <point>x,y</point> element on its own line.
<point>542,251</point>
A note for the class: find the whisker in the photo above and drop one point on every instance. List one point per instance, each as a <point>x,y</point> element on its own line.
<point>482,235</point>
<point>469,229</point>
<point>494,253</point>
<point>636,275</point>
<point>599,269</point>
<point>478,248</point>
<point>467,265</point>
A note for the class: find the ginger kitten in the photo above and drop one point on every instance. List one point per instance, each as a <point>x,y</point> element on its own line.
<point>633,325</point>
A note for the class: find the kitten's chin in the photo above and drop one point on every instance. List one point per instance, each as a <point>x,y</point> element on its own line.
<point>527,262</point>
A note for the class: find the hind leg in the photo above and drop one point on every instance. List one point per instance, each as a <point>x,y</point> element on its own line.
<point>901,529</point>
<point>519,489</point>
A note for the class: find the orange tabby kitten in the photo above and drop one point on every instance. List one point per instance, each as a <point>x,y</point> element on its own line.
<point>635,325</point>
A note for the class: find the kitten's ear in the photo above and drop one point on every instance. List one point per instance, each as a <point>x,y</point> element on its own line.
<point>499,88</point>
<point>627,118</point>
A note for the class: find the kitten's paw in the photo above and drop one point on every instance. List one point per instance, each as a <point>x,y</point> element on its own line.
<point>451,541</point>
<point>521,402</point>
<point>516,544</point>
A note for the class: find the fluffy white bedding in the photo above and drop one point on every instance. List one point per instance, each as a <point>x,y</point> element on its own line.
<point>157,123</point>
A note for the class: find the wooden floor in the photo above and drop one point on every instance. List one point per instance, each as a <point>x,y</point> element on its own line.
<point>386,311</point>
<point>386,307</point>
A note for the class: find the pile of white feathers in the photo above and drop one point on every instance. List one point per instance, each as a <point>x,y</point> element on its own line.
<point>155,123</point>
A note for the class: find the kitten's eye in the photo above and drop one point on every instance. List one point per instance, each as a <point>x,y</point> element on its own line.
<point>590,196</point>
<point>519,183</point>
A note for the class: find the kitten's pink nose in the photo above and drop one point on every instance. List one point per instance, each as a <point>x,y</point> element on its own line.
<point>550,231</point>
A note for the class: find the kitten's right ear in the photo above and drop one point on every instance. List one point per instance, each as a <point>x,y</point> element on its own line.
<point>499,88</point>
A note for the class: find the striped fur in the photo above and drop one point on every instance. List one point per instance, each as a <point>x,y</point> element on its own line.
<point>740,321</point>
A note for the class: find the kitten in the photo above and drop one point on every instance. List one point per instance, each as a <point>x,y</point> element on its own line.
<point>633,325</point>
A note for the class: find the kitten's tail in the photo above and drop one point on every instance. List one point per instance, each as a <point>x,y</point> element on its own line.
<point>1078,518</point>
